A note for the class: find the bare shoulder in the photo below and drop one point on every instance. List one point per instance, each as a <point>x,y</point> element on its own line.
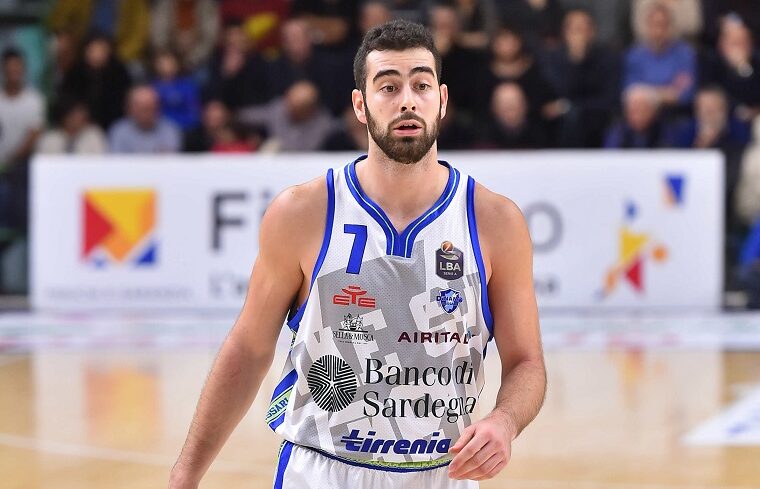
<point>502,228</point>
<point>297,215</point>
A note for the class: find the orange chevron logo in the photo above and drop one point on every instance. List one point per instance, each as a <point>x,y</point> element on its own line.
<point>119,226</point>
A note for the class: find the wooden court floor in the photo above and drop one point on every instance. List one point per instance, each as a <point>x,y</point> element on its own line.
<point>106,417</point>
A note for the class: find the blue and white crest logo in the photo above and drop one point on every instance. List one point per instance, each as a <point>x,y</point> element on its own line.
<point>449,300</point>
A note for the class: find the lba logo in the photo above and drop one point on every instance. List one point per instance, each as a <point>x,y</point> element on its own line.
<point>118,226</point>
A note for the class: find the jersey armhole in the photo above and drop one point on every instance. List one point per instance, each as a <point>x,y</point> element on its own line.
<point>473,229</point>
<point>296,319</point>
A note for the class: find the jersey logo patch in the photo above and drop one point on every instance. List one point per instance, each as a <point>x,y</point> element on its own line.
<point>353,295</point>
<point>449,264</point>
<point>332,383</point>
<point>449,300</point>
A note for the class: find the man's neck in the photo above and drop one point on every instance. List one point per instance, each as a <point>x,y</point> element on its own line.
<point>404,191</point>
<point>13,90</point>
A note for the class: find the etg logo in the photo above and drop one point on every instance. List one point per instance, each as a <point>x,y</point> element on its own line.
<point>352,295</point>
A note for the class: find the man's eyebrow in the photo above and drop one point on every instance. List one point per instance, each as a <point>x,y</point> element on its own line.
<point>416,69</point>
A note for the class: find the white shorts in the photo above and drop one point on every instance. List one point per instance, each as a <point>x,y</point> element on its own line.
<point>303,468</point>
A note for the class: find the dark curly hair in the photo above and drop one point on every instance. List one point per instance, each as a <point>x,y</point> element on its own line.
<point>396,35</point>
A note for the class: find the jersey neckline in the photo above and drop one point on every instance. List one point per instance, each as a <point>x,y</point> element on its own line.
<point>401,244</point>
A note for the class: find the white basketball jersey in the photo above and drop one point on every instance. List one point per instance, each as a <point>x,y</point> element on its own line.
<point>386,364</point>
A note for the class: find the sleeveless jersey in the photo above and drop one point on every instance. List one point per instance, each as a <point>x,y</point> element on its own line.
<point>386,363</point>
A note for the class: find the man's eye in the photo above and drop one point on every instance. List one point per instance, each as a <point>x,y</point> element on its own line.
<point>388,88</point>
<point>424,86</point>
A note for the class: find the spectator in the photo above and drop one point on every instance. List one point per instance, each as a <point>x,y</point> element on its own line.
<point>748,189</point>
<point>125,21</point>
<point>261,21</point>
<point>372,14</point>
<point>216,116</point>
<point>294,122</point>
<point>511,61</point>
<point>144,130</point>
<point>585,76</point>
<point>736,68</point>
<point>459,62</point>
<point>21,119</point>
<point>100,80</point>
<point>331,22</point>
<point>300,61</point>
<point>661,61</point>
<point>642,127</point>
<point>477,20</point>
<point>712,126</point>
<point>237,138</point>
<point>178,95</point>
<point>351,135</point>
<point>510,126</point>
<point>187,27</point>
<point>237,77</point>
<point>613,20</point>
<point>75,133</point>
<point>63,56</point>
<point>715,11</point>
<point>21,112</point>
<point>540,18</point>
<point>456,130</point>
<point>686,15</point>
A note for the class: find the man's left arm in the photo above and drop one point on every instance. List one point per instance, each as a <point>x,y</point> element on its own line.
<point>484,448</point>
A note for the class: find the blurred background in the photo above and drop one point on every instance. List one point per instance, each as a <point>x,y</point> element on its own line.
<point>141,140</point>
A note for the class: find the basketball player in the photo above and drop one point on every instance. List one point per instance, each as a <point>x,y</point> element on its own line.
<point>396,271</point>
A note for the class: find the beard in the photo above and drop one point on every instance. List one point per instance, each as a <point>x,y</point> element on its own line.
<point>406,150</point>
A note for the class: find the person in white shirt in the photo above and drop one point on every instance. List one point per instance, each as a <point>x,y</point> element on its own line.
<point>75,133</point>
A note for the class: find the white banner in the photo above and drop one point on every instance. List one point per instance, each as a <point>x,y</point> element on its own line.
<point>638,230</point>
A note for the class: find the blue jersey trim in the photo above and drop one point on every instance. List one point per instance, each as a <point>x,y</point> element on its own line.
<point>282,464</point>
<point>473,227</point>
<point>403,243</point>
<point>411,232</point>
<point>294,322</point>
<point>354,463</point>
<point>286,383</point>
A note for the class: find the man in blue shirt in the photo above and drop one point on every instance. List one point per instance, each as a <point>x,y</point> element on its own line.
<point>662,61</point>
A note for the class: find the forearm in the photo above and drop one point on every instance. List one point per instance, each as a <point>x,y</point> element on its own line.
<point>521,395</point>
<point>229,391</point>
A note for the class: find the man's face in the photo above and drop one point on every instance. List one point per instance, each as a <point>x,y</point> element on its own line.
<point>659,27</point>
<point>143,107</point>
<point>403,103</point>
<point>13,72</point>
<point>711,109</point>
<point>578,28</point>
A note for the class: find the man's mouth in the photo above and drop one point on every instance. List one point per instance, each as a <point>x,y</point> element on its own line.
<point>408,128</point>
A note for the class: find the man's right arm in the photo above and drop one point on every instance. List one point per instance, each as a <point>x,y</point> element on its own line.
<point>246,355</point>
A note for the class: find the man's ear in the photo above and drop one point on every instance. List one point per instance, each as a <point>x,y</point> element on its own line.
<point>357,100</point>
<point>444,99</point>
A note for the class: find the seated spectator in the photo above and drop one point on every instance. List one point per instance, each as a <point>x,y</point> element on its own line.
<point>736,67</point>
<point>457,131</point>
<point>178,95</point>
<point>540,18</point>
<point>613,20</point>
<point>261,21</point>
<point>237,138</point>
<point>373,13</point>
<point>125,21</point>
<point>21,112</point>
<point>301,61</point>
<point>585,76</point>
<point>100,80</point>
<point>331,22</point>
<point>294,122</point>
<point>459,62</point>
<point>715,11</point>
<point>216,117</point>
<point>143,130</point>
<point>236,75</point>
<point>748,189</point>
<point>478,20</point>
<point>642,127</point>
<point>351,135</point>
<point>686,15</point>
<point>512,61</point>
<point>187,27</point>
<point>63,53</point>
<point>712,125</point>
<point>75,133</point>
<point>510,126</point>
<point>21,120</point>
<point>661,60</point>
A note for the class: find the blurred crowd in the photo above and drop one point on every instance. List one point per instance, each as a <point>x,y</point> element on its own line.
<point>165,76</point>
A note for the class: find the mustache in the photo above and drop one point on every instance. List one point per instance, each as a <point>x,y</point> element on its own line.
<point>408,117</point>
